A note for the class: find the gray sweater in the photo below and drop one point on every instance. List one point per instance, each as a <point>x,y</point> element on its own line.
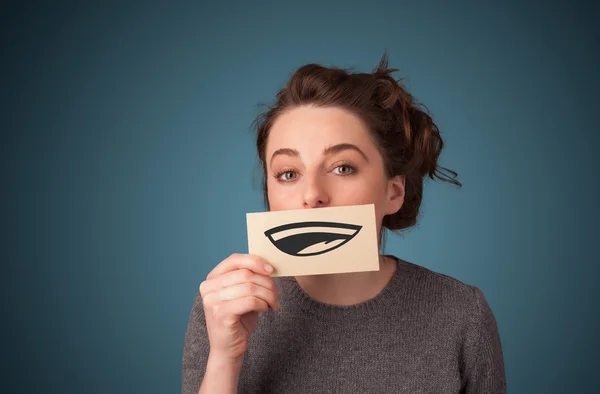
<point>424,333</point>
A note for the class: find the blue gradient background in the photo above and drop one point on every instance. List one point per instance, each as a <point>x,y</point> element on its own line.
<point>128,165</point>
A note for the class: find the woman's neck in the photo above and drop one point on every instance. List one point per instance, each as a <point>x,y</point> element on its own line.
<point>349,288</point>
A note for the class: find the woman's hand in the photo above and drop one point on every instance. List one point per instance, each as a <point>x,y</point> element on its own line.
<point>233,294</point>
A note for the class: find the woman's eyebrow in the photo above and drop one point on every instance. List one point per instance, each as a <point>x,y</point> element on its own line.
<point>327,151</point>
<point>342,147</point>
<point>284,151</point>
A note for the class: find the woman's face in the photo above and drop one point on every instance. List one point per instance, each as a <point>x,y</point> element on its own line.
<point>324,157</point>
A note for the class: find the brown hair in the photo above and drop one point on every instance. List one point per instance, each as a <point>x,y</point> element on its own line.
<point>404,132</point>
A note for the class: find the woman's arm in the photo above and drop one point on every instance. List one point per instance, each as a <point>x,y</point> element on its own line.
<point>483,358</point>
<point>202,372</point>
<point>221,376</point>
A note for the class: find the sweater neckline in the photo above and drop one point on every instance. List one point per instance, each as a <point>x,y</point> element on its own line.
<point>388,296</point>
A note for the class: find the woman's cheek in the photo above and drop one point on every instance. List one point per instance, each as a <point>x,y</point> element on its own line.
<point>280,198</point>
<point>356,192</point>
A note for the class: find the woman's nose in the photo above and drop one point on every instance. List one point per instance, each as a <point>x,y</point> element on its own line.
<point>315,194</point>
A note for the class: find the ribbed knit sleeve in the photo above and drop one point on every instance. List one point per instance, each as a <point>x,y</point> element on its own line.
<point>483,358</point>
<point>195,349</point>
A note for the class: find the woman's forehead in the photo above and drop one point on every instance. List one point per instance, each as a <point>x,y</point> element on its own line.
<point>311,129</point>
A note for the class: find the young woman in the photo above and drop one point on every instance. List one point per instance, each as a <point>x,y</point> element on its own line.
<point>336,138</point>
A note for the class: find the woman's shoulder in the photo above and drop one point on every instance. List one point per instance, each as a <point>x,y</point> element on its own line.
<point>429,276</point>
<point>441,290</point>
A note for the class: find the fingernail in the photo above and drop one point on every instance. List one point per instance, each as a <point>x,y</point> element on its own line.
<point>268,268</point>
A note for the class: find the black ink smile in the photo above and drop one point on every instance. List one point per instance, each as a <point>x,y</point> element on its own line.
<point>311,238</point>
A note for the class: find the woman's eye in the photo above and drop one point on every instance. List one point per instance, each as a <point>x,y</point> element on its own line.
<point>287,176</point>
<point>344,170</point>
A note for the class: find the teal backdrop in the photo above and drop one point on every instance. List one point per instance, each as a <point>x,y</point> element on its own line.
<point>128,165</point>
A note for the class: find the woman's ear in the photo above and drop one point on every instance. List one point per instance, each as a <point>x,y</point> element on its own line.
<point>395,194</point>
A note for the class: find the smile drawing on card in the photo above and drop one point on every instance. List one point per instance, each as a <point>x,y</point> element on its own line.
<point>311,238</point>
<point>316,241</point>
